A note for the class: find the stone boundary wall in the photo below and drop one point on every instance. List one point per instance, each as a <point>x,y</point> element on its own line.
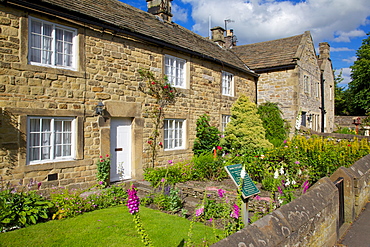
<point>345,121</point>
<point>313,218</point>
<point>334,135</point>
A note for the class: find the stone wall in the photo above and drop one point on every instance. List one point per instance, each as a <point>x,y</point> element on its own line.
<point>313,218</point>
<point>345,121</point>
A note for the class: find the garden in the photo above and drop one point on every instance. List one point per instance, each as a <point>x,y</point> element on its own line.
<point>256,137</point>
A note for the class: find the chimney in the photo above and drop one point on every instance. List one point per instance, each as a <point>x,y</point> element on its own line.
<point>230,39</point>
<point>324,49</point>
<point>160,8</point>
<point>218,36</point>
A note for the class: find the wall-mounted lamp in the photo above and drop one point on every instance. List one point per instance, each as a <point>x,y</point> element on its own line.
<point>309,117</point>
<point>99,108</point>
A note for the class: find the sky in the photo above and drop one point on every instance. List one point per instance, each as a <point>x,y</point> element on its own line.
<point>341,23</point>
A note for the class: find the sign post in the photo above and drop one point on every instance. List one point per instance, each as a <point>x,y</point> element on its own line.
<point>247,187</point>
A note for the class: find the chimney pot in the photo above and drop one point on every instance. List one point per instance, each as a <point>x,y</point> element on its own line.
<point>218,36</point>
<point>160,8</point>
<point>324,49</point>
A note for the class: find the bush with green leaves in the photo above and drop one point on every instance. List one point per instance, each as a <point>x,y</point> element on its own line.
<point>168,199</point>
<point>19,209</point>
<point>72,202</point>
<point>277,129</point>
<point>244,133</point>
<point>174,173</point>
<point>207,167</point>
<point>103,173</point>
<point>199,168</point>
<point>207,136</point>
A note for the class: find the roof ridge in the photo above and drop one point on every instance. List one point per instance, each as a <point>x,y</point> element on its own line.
<point>269,41</point>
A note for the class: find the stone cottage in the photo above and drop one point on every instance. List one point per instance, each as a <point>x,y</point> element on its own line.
<point>61,60</point>
<point>292,75</point>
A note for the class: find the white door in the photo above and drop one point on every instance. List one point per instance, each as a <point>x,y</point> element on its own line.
<point>120,149</point>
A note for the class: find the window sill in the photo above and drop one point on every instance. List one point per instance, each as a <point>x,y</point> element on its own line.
<point>58,165</point>
<point>59,71</point>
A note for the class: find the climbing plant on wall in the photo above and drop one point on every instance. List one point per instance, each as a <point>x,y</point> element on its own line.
<point>163,94</point>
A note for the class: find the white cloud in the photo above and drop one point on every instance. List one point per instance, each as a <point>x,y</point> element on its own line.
<point>179,14</point>
<point>340,49</point>
<point>346,36</point>
<point>350,59</point>
<point>261,20</point>
<point>346,75</point>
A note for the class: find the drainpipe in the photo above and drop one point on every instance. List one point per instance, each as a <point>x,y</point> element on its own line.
<point>323,111</point>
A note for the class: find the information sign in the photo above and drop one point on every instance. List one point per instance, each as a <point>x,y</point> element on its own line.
<point>248,187</point>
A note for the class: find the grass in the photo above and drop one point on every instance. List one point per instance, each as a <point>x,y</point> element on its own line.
<point>111,227</point>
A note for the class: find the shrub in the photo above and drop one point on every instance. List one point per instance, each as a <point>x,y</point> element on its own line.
<point>103,166</point>
<point>207,136</point>
<point>206,167</point>
<point>173,174</point>
<point>19,209</point>
<point>69,203</point>
<point>277,129</point>
<point>244,133</point>
<point>168,199</point>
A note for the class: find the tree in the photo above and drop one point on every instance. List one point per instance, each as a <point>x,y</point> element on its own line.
<point>207,136</point>
<point>244,133</point>
<point>360,85</point>
<point>277,129</point>
<point>343,104</point>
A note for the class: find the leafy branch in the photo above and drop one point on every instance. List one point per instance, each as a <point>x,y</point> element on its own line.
<point>164,94</point>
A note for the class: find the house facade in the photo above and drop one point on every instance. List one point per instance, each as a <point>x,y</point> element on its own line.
<point>292,75</point>
<point>61,59</point>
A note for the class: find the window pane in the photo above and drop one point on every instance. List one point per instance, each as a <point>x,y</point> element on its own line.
<point>68,36</point>
<point>48,29</point>
<point>67,150</point>
<point>67,138</point>
<point>46,125</point>
<point>58,151</point>
<point>36,26</point>
<point>67,126</point>
<point>34,154</point>
<point>45,153</point>
<point>34,125</point>
<point>35,139</point>
<point>58,138</point>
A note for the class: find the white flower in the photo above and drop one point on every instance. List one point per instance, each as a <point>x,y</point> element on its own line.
<point>242,173</point>
<point>293,182</point>
<point>287,183</point>
<point>276,174</point>
<point>299,172</point>
<point>281,171</point>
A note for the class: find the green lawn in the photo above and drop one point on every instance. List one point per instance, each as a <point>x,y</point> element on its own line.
<point>110,227</point>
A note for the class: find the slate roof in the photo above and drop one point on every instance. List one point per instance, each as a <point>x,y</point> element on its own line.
<point>271,54</point>
<point>127,19</point>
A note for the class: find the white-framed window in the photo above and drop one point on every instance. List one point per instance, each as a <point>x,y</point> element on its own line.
<point>51,44</point>
<point>175,70</point>
<point>50,139</point>
<point>227,83</point>
<point>174,134</point>
<point>225,120</point>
